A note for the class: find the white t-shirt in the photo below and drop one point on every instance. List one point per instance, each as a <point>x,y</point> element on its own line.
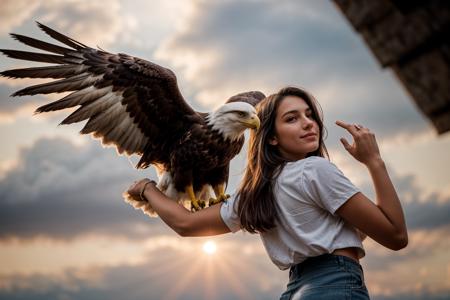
<point>307,193</point>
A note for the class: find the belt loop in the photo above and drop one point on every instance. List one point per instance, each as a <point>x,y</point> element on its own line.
<point>298,267</point>
<point>340,260</point>
<point>293,271</point>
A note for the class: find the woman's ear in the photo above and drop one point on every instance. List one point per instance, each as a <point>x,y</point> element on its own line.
<point>273,141</point>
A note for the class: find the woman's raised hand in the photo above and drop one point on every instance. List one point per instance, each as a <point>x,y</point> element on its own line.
<point>364,147</point>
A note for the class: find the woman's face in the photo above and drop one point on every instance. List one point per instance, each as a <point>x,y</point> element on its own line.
<point>294,120</point>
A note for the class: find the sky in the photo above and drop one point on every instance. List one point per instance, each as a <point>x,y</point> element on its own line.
<point>65,231</point>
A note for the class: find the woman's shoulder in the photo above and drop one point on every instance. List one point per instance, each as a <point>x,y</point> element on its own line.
<point>317,159</point>
<point>311,161</point>
<point>314,166</point>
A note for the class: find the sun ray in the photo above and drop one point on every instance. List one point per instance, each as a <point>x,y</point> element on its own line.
<point>158,276</point>
<point>210,279</point>
<point>185,279</point>
<point>257,267</point>
<point>235,264</point>
<point>230,277</point>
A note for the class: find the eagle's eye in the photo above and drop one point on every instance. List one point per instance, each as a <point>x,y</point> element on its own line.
<point>242,114</point>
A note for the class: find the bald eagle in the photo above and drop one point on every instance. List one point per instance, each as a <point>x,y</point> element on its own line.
<point>136,106</point>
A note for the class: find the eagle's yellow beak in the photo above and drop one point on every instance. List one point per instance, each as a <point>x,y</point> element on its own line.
<point>253,122</point>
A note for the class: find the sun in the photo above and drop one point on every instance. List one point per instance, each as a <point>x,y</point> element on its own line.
<point>209,247</point>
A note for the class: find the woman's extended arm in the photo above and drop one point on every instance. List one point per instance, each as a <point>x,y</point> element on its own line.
<point>205,222</point>
<point>384,222</point>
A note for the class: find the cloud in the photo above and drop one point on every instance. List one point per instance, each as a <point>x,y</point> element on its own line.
<point>227,47</point>
<point>56,182</point>
<point>423,295</point>
<point>86,21</point>
<point>430,213</point>
<point>62,190</point>
<point>61,196</point>
<point>378,104</point>
<point>220,48</point>
<point>422,210</point>
<point>83,19</point>
<point>421,241</point>
<point>14,12</point>
<point>419,271</point>
<point>54,257</point>
<point>11,108</point>
<point>172,268</point>
<point>64,199</point>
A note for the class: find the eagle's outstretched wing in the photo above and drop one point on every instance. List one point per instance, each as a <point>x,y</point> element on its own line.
<point>129,102</point>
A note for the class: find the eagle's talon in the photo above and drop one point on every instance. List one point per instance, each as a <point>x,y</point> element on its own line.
<point>195,206</point>
<point>202,203</point>
<point>221,198</point>
<point>213,201</point>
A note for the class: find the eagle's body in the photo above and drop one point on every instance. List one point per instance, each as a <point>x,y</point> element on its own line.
<point>198,162</point>
<point>203,158</point>
<point>136,106</point>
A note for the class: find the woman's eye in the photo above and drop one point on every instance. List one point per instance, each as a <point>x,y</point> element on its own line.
<point>291,119</point>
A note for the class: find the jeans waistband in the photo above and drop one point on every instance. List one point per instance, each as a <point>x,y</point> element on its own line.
<point>324,259</point>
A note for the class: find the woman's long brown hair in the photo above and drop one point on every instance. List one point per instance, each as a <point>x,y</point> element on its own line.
<point>256,206</point>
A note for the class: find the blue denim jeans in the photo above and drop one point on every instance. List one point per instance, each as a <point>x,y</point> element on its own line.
<point>327,276</point>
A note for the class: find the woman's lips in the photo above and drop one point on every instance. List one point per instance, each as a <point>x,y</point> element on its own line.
<point>309,135</point>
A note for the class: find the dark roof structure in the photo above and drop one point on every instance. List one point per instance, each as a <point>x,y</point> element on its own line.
<point>412,38</point>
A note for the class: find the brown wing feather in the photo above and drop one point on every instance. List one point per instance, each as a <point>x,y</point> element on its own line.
<point>252,97</point>
<point>130,103</point>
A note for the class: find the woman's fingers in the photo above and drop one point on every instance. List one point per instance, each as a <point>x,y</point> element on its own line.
<point>350,128</point>
<point>365,147</point>
<point>132,189</point>
<point>346,144</point>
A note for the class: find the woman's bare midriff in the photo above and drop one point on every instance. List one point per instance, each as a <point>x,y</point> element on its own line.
<point>349,252</point>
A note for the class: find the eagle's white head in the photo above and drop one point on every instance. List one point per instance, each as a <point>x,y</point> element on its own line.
<point>231,119</point>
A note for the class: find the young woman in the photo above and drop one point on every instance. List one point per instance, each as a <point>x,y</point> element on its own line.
<point>310,217</point>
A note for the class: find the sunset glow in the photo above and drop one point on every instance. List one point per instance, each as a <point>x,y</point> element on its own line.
<point>209,247</point>
<point>66,231</point>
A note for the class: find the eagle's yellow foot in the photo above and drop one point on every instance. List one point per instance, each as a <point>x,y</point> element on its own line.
<point>219,191</point>
<point>196,204</point>
<point>220,198</point>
